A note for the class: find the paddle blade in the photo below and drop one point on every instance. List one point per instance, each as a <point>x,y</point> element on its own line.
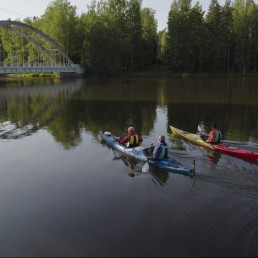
<point>199,129</point>
<point>145,168</point>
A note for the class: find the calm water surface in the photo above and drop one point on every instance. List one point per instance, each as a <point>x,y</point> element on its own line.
<point>63,192</point>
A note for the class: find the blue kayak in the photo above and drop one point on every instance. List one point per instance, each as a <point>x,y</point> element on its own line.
<point>142,153</point>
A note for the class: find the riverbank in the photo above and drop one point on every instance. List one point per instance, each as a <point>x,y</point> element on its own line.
<point>151,73</point>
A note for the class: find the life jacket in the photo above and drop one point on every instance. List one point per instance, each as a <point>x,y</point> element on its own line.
<point>217,135</point>
<point>134,141</point>
<point>164,151</point>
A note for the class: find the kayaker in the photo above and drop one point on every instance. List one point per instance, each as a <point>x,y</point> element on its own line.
<point>214,135</point>
<point>132,139</point>
<point>161,149</point>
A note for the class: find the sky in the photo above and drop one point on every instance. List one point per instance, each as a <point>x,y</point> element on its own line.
<point>20,9</point>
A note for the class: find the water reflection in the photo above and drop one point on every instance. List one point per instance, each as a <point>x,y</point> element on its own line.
<point>26,106</point>
<point>129,162</point>
<point>213,157</point>
<point>159,176</point>
<point>67,107</point>
<point>237,123</point>
<point>67,193</point>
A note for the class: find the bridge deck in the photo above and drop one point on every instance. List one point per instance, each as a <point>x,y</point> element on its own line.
<point>39,69</point>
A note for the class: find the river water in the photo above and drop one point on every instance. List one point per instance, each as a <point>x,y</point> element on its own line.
<point>63,192</point>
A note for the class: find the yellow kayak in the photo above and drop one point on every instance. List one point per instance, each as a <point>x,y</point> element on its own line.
<point>191,137</point>
<point>220,147</point>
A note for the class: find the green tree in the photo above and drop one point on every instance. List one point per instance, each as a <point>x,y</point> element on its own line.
<point>197,36</point>
<point>149,45</point>
<point>244,32</point>
<point>33,53</point>
<point>184,42</point>
<point>227,37</point>
<point>134,31</point>
<point>60,22</point>
<point>101,47</point>
<point>118,36</point>
<point>13,50</point>
<point>253,33</point>
<point>162,46</point>
<point>214,37</point>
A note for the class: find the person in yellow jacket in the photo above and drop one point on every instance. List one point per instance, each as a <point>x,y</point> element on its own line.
<point>132,139</point>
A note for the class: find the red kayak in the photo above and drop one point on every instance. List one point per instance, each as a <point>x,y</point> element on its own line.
<point>222,147</point>
<point>241,153</point>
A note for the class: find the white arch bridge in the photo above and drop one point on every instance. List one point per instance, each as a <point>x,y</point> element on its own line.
<point>51,56</point>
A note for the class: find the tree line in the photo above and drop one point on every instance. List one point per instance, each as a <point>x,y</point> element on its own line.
<point>117,36</point>
<point>223,41</point>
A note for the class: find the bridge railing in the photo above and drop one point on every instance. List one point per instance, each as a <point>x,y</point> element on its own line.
<point>31,64</point>
<point>36,68</point>
<point>15,68</point>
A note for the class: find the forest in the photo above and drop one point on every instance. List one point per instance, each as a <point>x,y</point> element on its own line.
<point>120,36</point>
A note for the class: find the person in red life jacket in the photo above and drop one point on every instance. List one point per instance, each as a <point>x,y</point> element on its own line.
<point>161,150</point>
<point>214,135</point>
<point>132,139</point>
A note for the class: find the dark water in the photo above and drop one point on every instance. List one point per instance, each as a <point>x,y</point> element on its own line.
<point>65,193</point>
